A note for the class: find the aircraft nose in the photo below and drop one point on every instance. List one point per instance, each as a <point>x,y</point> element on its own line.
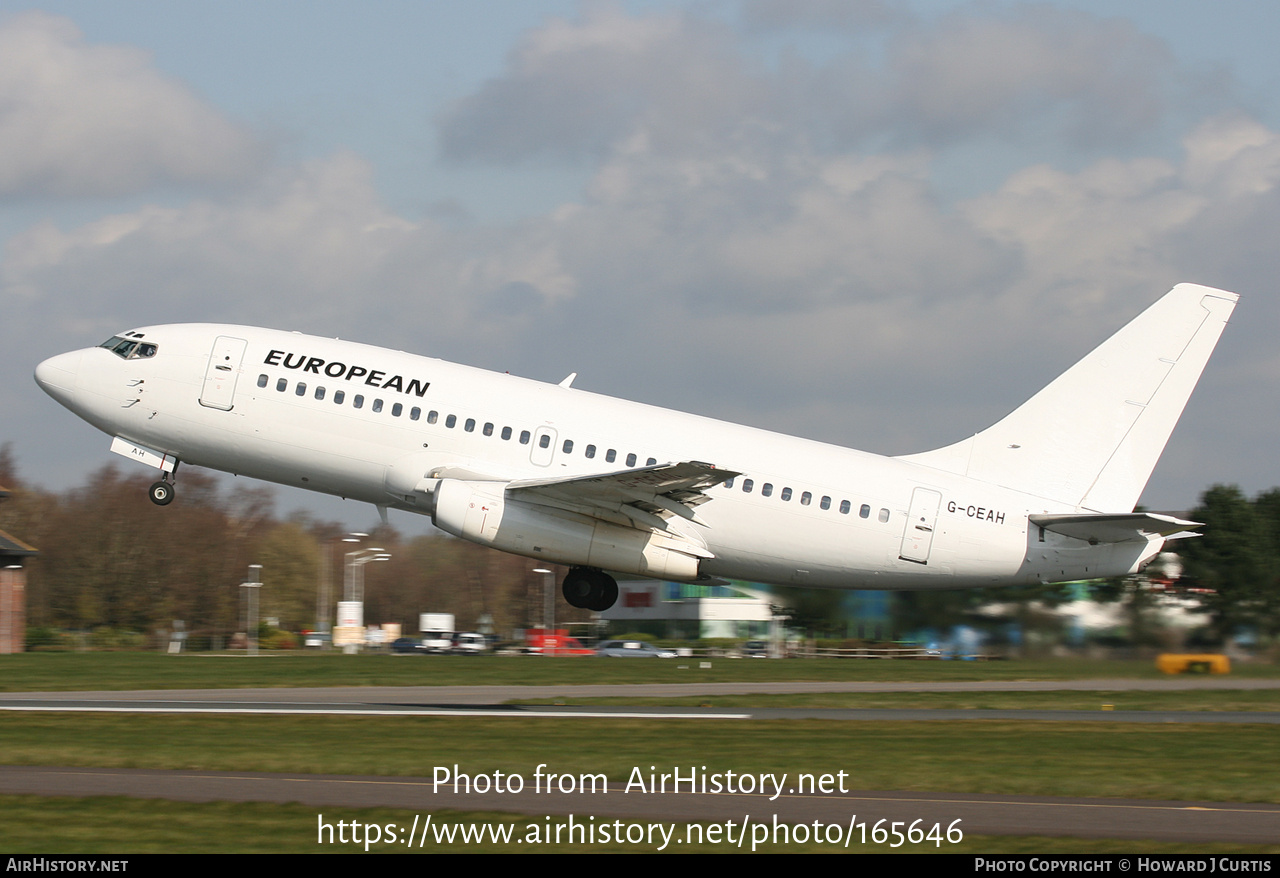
<point>57,376</point>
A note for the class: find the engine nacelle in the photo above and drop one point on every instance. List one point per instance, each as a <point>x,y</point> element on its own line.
<point>480,512</point>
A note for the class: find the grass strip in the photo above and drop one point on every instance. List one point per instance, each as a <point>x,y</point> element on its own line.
<point>1238,763</point>
<point>70,671</point>
<point>117,825</point>
<point>1208,700</point>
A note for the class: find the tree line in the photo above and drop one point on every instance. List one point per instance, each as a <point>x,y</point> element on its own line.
<point>109,558</point>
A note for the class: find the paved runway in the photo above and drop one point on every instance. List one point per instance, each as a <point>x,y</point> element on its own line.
<point>490,701</point>
<point>979,814</point>
<point>378,707</point>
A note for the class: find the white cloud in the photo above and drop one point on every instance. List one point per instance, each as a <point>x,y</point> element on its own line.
<point>1095,80</point>
<point>728,256</point>
<point>78,120</point>
<point>819,15</point>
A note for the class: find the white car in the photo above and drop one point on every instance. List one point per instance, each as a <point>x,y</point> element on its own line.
<point>469,644</point>
<point>632,649</point>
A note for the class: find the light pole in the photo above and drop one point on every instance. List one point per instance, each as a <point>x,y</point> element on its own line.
<point>353,581</point>
<point>324,588</point>
<point>548,598</point>
<point>254,585</point>
<point>351,609</point>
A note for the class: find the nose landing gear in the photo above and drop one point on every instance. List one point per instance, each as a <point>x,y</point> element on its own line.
<point>161,492</point>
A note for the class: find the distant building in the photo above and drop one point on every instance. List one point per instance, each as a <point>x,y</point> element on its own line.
<point>693,611</point>
<point>13,590</point>
<point>741,610</point>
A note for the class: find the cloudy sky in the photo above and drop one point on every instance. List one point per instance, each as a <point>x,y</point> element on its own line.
<point>875,223</point>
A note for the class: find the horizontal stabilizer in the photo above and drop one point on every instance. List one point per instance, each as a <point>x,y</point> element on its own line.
<point>1118,528</point>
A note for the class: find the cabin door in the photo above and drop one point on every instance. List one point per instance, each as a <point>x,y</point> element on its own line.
<point>544,446</point>
<point>220,375</point>
<point>917,539</point>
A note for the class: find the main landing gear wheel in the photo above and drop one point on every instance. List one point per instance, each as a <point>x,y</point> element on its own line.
<point>589,589</point>
<point>161,493</point>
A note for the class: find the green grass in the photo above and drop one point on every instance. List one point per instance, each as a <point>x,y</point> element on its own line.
<point>35,825</point>
<point>54,671</point>
<point>1176,761</point>
<point>1163,761</point>
<point>1202,700</point>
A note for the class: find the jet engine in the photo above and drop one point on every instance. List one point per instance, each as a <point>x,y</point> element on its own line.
<point>482,513</point>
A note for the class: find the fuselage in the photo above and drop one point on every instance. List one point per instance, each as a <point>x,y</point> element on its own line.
<point>368,423</point>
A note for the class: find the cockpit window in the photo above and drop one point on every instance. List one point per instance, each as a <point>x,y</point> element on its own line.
<point>129,349</point>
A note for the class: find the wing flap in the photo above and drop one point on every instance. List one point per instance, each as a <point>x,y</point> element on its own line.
<point>646,496</point>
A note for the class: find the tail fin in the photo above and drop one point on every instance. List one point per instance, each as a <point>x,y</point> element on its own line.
<point>1092,437</point>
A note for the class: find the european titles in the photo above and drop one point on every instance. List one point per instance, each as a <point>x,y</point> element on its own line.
<point>334,369</point>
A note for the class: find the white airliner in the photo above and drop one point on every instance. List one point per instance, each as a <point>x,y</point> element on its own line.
<point>601,484</point>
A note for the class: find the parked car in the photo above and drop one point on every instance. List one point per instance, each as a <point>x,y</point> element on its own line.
<point>469,644</point>
<point>756,649</point>
<point>407,645</point>
<point>437,641</point>
<point>632,649</point>
<point>557,643</point>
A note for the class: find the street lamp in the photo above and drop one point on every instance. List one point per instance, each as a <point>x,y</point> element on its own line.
<point>324,588</point>
<point>353,581</point>
<point>548,598</point>
<point>254,585</point>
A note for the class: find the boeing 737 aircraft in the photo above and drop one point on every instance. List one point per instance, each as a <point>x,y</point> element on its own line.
<point>601,484</point>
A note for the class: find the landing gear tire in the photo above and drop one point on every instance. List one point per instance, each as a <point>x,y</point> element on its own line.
<point>161,493</point>
<point>589,589</point>
<point>607,595</point>
<point>576,587</point>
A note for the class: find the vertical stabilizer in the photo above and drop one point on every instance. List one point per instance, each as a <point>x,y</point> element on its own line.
<point>1092,437</point>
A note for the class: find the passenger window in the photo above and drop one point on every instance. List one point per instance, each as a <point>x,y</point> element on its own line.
<point>488,429</point>
<point>281,384</point>
<point>610,456</point>
<point>568,446</point>
<point>884,515</point>
<point>825,503</point>
<point>805,498</point>
<point>506,432</point>
<point>451,421</point>
<point>301,389</point>
<point>377,405</point>
<point>319,393</point>
<point>397,409</point>
<point>728,483</point>
<point>544,441</point>
<point>766,490</point>
<point>432,417</point>
<point>590,452</point>
<point>845,507</point>
<point>747,484</point>
<point>415,413</point>
<point>470,425</point>
<point>262,380</point>
<point>865,511</point>
<point>357,401</point>
<point>525,435</point>
<point>786,493</point>
<point>339,396</point>
<point>653,461</point>
<point>631,460</point>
